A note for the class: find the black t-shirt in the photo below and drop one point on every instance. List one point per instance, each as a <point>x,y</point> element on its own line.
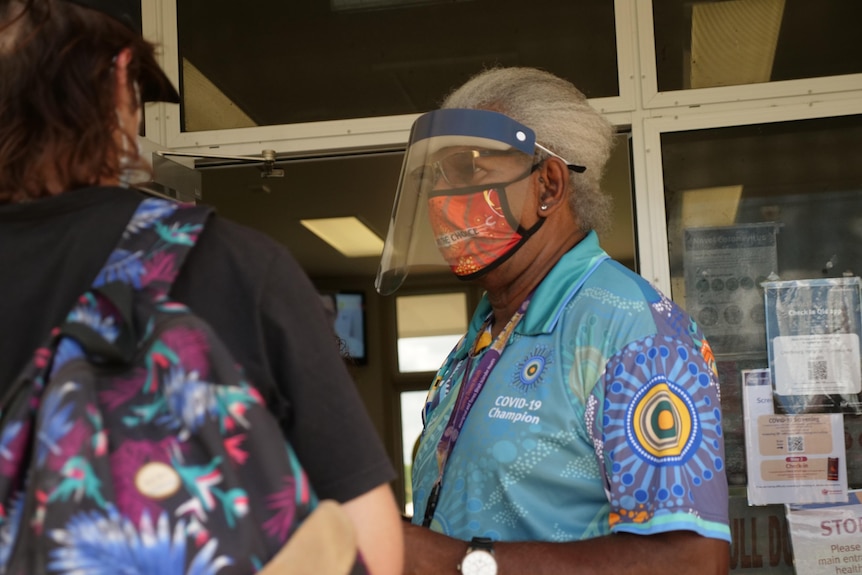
<point>245,285</point>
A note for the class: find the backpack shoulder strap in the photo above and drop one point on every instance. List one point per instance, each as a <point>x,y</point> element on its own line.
<point>154,246</point>
<point>149,255</point>
<point>144,263</point>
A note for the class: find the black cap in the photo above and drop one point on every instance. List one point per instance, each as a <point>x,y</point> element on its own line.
<point>155,85</point>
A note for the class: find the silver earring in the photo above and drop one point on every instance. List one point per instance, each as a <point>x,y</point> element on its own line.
<point>543,207</point>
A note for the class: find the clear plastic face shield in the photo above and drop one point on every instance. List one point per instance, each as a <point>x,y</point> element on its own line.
<point>464,185</point>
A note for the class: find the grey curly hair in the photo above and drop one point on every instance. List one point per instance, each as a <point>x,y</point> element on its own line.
<point>564,122</point>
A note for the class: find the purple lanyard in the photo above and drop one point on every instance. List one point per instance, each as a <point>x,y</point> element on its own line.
<point>471,386</point>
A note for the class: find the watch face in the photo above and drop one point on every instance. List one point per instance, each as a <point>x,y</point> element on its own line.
<point>479,562</point>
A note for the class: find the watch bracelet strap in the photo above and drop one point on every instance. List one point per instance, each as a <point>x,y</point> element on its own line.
<point>484,543</point>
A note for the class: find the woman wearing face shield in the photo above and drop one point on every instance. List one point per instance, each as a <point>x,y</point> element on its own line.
<point>575,428</point>
<point>74,76</point>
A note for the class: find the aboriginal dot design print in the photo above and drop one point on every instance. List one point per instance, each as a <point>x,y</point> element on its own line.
<point>660,427</point>
<point>529,373</point>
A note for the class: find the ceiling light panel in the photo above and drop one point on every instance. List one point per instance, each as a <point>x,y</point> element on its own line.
<point>348,235</point>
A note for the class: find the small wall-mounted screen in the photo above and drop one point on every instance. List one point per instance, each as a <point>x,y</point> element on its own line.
<point>348,312</point>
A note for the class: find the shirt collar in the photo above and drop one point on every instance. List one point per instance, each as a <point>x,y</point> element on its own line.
<point>552,295</point>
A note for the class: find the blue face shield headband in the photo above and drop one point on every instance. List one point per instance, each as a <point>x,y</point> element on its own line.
<point>451,150</point>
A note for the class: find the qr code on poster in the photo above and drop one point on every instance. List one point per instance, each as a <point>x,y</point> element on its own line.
<point>818,370</point>
<point>795,443</point>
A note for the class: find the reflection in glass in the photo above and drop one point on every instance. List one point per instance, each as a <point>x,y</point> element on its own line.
<point>797,181</point>
<point>735,42</point>
<point>315,60</point>
<point>746,203</point>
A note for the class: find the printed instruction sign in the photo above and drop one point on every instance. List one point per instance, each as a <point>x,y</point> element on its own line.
<point>813,332</point>
<point>790,458</point>
<point>827,538</point>
<point>724,267</point>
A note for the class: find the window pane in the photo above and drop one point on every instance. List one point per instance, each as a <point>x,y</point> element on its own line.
<point>728,43</point>
<point>429,326</point>
<point>315,60</point>
<point>424,353</point>
<point>412,403</point>
<point>746,202</point>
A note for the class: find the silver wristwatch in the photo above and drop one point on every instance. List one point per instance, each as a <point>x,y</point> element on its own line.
<point>479,559</point>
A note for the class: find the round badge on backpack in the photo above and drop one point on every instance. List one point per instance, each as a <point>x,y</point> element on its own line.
<point>157,480</point>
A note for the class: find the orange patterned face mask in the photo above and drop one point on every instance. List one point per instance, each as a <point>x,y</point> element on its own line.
<point>475,228</point>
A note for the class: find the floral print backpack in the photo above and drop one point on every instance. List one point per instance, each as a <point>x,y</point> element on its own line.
<point>132,443</point>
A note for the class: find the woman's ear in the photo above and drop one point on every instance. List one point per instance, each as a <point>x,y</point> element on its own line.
<point>123,97</point>
<point>553,185</point>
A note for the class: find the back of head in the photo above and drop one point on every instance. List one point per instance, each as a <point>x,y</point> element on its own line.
<point>57,97</point>
<point>564,122</point>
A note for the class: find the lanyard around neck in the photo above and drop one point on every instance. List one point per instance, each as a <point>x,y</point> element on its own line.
<point>471,385</point>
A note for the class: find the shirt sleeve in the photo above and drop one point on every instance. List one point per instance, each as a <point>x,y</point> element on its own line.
<point>659,434</point>
<point>327,424</point>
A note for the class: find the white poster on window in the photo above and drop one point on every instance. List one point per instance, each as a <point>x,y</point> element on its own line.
<point>827,538</point>
<point>813,329</point>
<point>790,458</point>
